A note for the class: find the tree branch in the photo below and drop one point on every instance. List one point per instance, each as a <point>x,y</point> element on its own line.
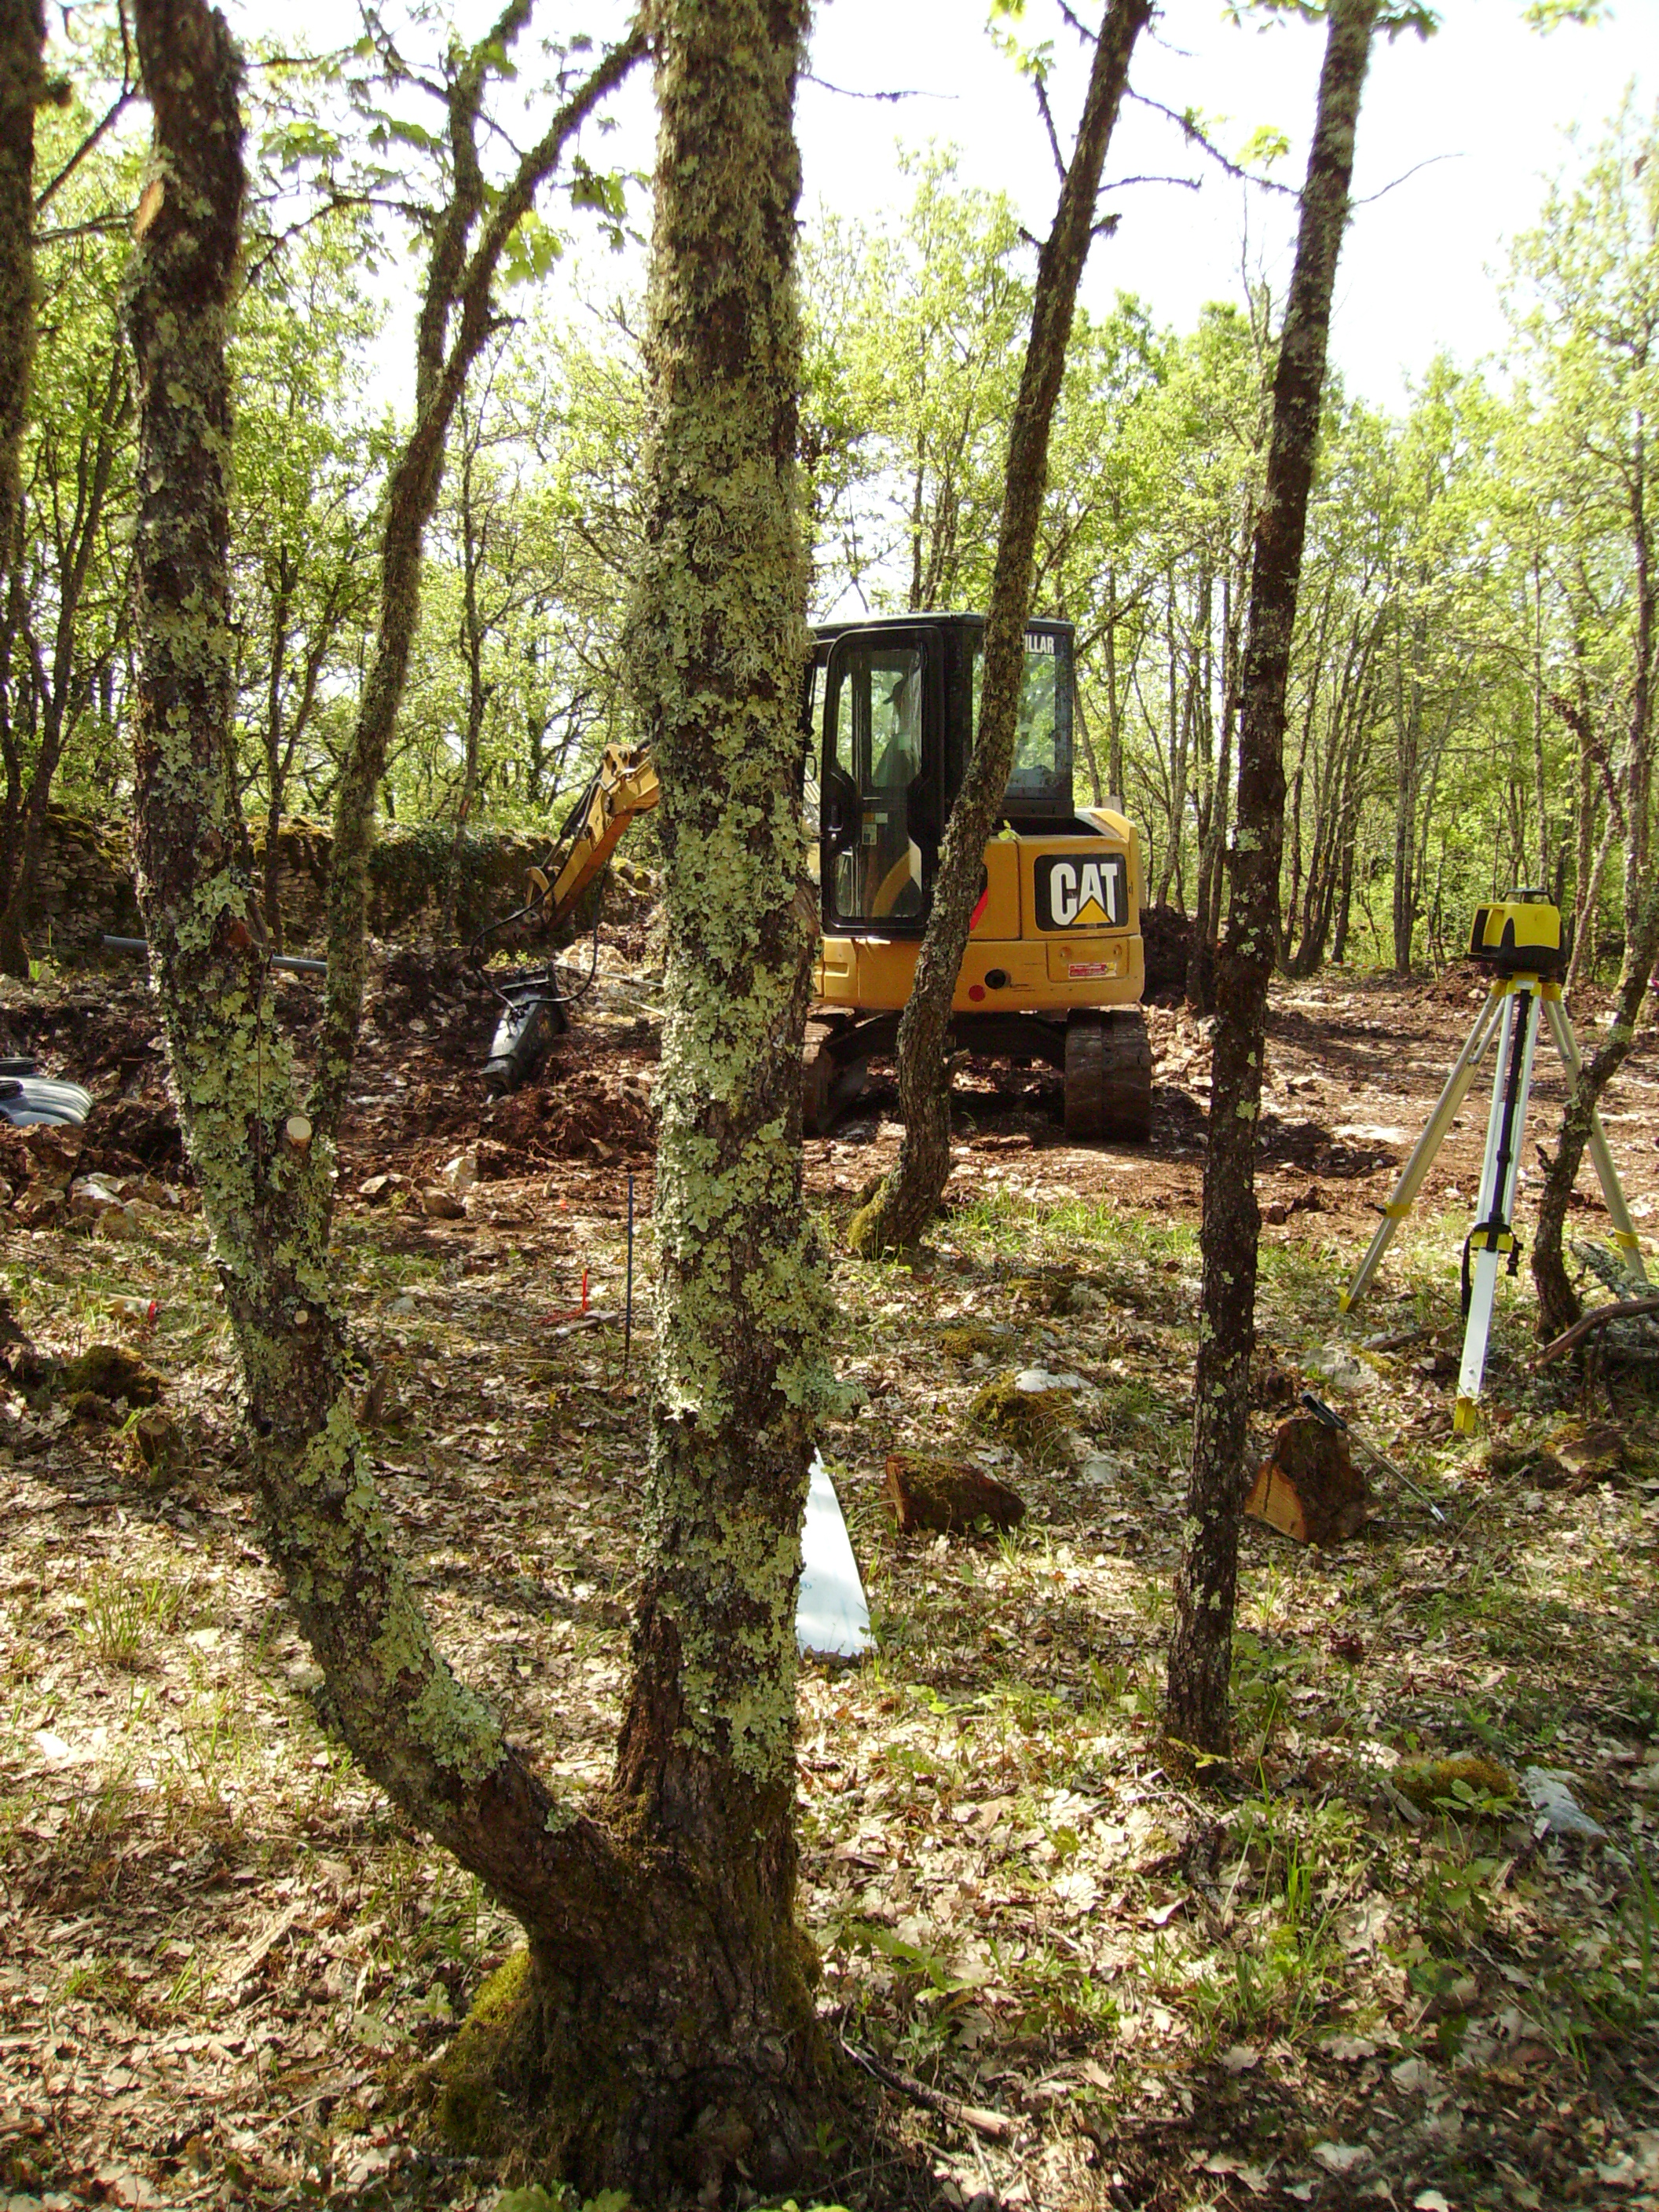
<point>1195,137</point>
<point>1600,1317</point>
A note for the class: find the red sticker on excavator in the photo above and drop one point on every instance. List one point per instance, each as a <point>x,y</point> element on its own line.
<point>981,903</point>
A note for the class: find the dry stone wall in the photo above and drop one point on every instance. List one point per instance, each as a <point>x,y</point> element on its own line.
<point>85,890</point>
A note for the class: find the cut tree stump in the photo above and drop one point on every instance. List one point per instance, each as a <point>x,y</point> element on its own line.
<point>947,1494</point>
<point>1307,1485</point>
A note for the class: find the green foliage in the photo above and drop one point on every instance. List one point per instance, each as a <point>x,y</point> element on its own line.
<point>1463,674</point>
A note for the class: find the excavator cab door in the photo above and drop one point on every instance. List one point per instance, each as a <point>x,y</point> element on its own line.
<point>878,780</point>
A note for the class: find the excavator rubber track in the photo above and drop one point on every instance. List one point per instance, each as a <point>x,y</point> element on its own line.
<point>828,1085</point>
<point>1108,1077</point>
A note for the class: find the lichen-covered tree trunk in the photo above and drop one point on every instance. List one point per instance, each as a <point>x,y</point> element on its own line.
<point>909,1198</point>
<point>660,2026</point>
<point>266,1176</point>
<point>22,88</point>
<point>720,645</point>
<point>1201,1650</point>
<point>1558,1301</point>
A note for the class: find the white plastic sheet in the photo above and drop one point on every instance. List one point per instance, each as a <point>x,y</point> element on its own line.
<point>832,1617</point>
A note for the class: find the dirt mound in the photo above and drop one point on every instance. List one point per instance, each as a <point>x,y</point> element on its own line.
<point>1167,935</point>
<point>125,1134</point>
<point>597,1112</point>
<point>97,1027</point>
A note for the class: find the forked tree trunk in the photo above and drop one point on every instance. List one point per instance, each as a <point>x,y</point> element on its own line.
<point>660,2027</point>
<point>909,1199</point>
<point>1200,1652</point>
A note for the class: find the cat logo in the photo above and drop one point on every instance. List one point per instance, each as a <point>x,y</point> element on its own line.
<point>1080,894</point>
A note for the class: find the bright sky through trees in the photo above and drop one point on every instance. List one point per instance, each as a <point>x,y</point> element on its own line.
<point>1486,104</point>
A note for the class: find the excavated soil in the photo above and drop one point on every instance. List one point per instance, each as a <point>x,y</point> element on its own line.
<point>1354,1067</point>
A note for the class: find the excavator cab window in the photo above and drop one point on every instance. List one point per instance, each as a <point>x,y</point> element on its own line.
<point>891,707</point>
<point>878,767</point>
<point>1040,781</point>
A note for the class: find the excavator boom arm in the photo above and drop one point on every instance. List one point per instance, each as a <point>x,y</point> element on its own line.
<point>625,786</point>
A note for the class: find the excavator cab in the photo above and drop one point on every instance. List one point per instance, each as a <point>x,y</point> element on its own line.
<point>892,707</point>
<point>1054,967</point>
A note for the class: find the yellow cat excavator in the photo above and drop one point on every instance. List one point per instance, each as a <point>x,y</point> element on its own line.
<point>1054,970</point>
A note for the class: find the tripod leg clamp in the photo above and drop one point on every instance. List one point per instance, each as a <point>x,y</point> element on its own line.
<point>1488,1237</point>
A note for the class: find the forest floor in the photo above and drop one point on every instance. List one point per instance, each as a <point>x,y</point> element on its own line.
<point>1333,1975</point>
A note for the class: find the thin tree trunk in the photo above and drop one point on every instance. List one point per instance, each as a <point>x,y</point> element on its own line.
<point>22,88</point>
<point>1211,811</point>
<point>60,695</point>
<point>1558,1304</point>
<point>1558,1301</point>
<point>473,538</point>
<point>1590,899</point>
<point>1540,788</point>
<point>456,318</point>
<point>910,1197</point>
<point>1177,774</point>
<point>1409,721</point>
<point>1201,1652</point>
<point>1640,762</point>
<point>1114,781</point>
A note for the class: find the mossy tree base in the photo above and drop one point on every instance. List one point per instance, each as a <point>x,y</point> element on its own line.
<point>696,2062</point>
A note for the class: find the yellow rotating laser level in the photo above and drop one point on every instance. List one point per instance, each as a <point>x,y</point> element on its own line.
<point>1518,939</point>
<point>1519,934</point>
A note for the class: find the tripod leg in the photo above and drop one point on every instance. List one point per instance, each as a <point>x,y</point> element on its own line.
<point>1491,1239</point>
<point>1422,1159</point>
<point>1624,1229</point>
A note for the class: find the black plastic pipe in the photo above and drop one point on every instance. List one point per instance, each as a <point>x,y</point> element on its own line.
<point>278,959</point>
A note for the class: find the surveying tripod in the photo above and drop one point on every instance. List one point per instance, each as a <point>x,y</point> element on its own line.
<point>1520,940</point>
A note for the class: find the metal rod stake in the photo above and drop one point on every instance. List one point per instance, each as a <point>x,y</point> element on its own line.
<point>628,1310</point>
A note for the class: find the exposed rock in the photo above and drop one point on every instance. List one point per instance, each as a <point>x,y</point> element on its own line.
<point>1033,1422</point>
